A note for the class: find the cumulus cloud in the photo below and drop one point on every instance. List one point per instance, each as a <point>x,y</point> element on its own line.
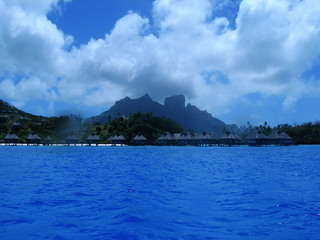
<point>184,48</point>
<point>29,42</point>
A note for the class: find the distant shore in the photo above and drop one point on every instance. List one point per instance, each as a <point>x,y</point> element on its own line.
<point>62,145</point>
<point>125,145</point>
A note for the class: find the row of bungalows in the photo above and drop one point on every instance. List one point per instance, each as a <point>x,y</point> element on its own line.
<point>114,140</point>
<point>34,139</point>
<point>31,139</point>
<point>256,138</point>
<point>275,138</point>
<point>94,140</point>
<point>187,139</point>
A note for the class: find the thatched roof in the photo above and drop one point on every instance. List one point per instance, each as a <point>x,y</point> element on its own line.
<point>234,135</point>
<point>279,135</point>
<point>256,135</point>
<point>11,136</point>
<point>33,137</point>
<point>116,138</point>
<point>207,136</point>
<point>186,136</point>
<point>285,136</point>
<point>93,138</point>
<point>176,136</point>
<point>231,136</point>
<point>139,138</point>
<point>166,136</point>
<point>120,137</point>
<point>274,135</point>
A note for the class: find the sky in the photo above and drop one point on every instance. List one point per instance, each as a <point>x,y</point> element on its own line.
<point>241,60</point>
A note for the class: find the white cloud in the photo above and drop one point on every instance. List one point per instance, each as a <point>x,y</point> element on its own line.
<point>191,52</point>
<point>29,42</point>
<point>26,89</point>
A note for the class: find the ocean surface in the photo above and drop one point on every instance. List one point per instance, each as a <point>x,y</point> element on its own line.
<point>160,193</point>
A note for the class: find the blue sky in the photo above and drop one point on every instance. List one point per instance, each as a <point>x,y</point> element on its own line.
<point>85,19</point>
<point>249,60</point>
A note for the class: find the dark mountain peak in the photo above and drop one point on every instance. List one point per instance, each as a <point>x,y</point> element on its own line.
<point>128,106</point>
<point>174,108</point>
<point>146,97</point>
<point>175,102</point>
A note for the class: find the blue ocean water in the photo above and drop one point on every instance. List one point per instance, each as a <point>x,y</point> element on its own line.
<point>159,193</point>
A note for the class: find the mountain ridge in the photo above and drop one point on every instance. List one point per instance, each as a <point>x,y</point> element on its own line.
<point>174,107</point>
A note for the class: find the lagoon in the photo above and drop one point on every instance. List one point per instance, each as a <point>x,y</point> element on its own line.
<point>159,192</point>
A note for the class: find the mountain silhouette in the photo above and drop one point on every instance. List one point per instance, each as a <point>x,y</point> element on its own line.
<point>174,108</point>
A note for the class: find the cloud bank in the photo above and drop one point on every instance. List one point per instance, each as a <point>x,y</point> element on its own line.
<point>183,48</point>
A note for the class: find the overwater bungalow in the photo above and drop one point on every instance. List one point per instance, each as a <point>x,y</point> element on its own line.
<point>33,138</point>
<point>11,138</point>
<point>117,139</point>
<point>205,139</point>
<point>286,139</point>
<point>166,139</point>
<point>277,137</point>
<point>230,139</point>
<point>139,140</point>
<point>93,139</point>
<point>183,139</point>
<point>256,138</point>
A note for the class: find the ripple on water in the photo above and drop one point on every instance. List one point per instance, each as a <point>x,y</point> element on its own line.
<point>159,193</point>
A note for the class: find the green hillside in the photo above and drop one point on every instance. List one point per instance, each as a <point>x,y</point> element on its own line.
<point>13,120</point>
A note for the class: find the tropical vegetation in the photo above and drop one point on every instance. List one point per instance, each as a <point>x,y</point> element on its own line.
<point>13,120</point>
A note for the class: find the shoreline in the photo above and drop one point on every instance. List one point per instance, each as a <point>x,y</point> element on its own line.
<point>124,145</point>
<point>61,145</point>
